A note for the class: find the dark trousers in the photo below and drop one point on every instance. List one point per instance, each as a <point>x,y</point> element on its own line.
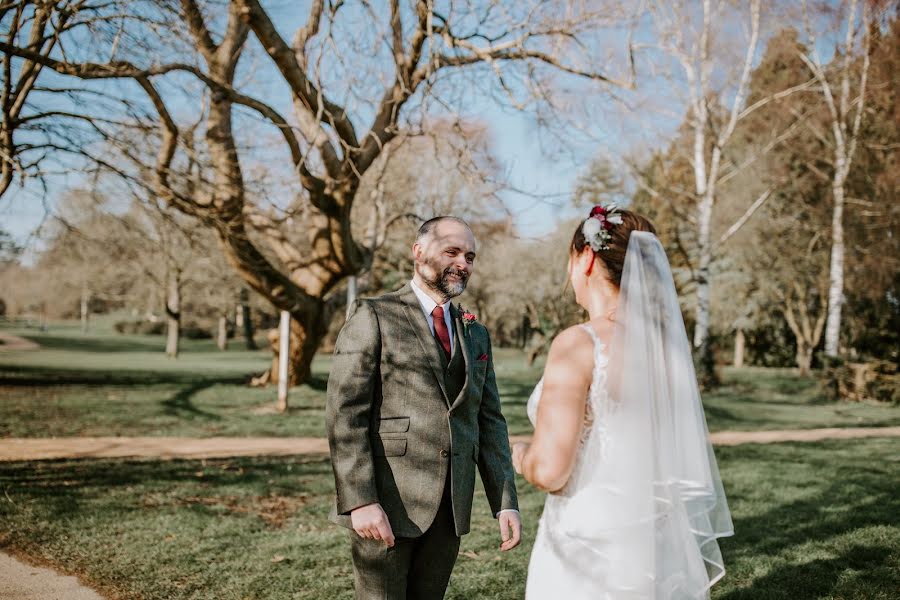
<point>415,568</point>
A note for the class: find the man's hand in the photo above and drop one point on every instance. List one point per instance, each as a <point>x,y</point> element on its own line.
<point>371,522</point>
<point>510,529</point>
<point>518,455</point>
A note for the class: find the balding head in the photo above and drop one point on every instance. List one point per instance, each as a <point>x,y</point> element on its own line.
<point>428,227</point>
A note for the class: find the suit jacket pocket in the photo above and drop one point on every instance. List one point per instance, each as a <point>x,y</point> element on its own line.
<point>388,446</point>
<point>393,425</point>
<point>478,373</point>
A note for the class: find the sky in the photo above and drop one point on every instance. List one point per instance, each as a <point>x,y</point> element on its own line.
<point>548,177</point>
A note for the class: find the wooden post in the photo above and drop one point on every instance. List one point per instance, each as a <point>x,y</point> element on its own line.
<point>85,308</point>
<point>351,293</point>
<point>222,333</point>
<point>739,342</point>
<point>284,348</point>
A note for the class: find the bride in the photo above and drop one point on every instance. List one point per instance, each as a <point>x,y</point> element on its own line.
<point>635,503</point>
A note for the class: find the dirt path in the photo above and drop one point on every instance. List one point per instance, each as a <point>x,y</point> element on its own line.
<point>20,581</point>
<point>19,449</point>
<point>14,342</point>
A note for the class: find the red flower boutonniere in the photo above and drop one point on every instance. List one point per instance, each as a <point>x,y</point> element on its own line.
<point>467,319</point>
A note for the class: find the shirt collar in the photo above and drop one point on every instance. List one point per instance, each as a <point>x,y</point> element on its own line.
<point>425,300</point>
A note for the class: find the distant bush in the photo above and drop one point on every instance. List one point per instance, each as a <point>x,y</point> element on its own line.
<point>140,327</point>
<point>193,331</point>
<point>857,381</point>
<point>885,383</point>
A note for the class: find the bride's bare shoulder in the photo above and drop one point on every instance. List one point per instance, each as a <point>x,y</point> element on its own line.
<point>571,345</point>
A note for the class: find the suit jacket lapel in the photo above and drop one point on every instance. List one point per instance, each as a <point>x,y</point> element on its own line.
<point>459,331</point>
<point>419,324</point>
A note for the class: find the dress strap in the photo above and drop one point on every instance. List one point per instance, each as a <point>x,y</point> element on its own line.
<point>598,377</point>
<point>597,342</point>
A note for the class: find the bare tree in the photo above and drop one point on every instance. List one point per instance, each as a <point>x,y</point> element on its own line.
<point>703,66</point>
<point>846,109</point>
<point>696,60</point>
<point>34,121</point>
<point>331,88</point>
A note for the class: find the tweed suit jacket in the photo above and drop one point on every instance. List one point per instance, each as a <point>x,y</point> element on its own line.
<point>393,431</point>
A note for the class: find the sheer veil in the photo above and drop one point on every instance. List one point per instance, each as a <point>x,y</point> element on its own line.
<point>650,505</point>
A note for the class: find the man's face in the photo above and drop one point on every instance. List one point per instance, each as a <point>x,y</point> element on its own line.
<point>446,258</point>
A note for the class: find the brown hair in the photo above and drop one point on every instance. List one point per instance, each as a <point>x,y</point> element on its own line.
<point>614,257</point>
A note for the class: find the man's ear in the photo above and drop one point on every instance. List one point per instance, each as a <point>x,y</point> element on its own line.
<point>416,251</point>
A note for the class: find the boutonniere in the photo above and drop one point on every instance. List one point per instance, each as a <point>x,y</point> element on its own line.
<point>467,319</point>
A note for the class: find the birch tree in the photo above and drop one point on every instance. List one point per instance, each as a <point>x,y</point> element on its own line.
<point>707,69</point>
<point>844,91</point>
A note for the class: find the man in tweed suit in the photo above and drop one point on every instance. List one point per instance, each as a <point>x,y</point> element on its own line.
<point>412,410</point>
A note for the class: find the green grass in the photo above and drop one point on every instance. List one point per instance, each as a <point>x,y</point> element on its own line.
<point>110,384</point>
<point>812,520</point>
<point>757,398</point>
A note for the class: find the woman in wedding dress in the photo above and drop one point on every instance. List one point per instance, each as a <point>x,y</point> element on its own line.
<point>635,504</point>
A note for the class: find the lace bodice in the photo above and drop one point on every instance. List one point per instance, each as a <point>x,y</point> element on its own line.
<point>596,403</point>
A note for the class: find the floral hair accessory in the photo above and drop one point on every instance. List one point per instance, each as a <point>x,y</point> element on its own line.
<point>596,227</point>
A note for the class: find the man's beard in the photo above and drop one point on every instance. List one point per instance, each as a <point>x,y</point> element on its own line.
<point>441,281</point>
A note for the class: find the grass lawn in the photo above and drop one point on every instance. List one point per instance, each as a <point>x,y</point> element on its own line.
<point>815,520</point>
<point>110,384</point>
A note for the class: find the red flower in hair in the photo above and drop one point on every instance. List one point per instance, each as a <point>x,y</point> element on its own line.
<point>598,210</point>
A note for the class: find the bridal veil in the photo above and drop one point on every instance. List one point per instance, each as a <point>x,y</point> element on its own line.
<point>650,506</point>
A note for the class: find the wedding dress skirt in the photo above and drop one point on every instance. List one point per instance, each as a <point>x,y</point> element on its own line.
<point>608,535</point>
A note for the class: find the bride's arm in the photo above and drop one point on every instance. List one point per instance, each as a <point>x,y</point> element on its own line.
<point>548,461</point>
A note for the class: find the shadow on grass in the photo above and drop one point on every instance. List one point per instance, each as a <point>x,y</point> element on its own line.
<point>22,375</point>
<point>180,404</point>
<point>514,393</point>
<point>62,483</point>
<point>100,344</point>
<point>317,382</point>
<point>854,495</point>
<point>820,578</point>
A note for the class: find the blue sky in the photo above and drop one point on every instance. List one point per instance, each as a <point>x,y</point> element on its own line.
<point>549,176</point>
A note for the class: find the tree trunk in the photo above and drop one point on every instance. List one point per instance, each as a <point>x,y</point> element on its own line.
<point>836,273</point>
<point>246,320</point>
<point>222,336</point>
<point>306,335</point>
<point>804,358</point>
<point>305,339</point>
<point>739,342</point>
<point>85,309</point>
<point>701,328</point>
<point>173,316</point>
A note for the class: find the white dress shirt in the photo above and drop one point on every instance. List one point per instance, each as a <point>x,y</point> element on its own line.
<point>428,304</point>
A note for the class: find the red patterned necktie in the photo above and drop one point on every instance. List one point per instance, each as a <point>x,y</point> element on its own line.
<point>440,329</point>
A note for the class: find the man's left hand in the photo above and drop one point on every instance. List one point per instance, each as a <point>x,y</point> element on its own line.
<point>510,529</point>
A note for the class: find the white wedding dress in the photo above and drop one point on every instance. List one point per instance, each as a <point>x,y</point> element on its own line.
<point>562,564</point>
<point>642,512</point>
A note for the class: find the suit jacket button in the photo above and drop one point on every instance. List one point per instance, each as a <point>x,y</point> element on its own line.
<point>444,454</point>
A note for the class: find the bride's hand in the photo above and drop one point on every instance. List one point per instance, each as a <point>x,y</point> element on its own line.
<point>518,455</point>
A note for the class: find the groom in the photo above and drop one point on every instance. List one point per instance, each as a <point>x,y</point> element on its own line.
<point>412,409</point>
